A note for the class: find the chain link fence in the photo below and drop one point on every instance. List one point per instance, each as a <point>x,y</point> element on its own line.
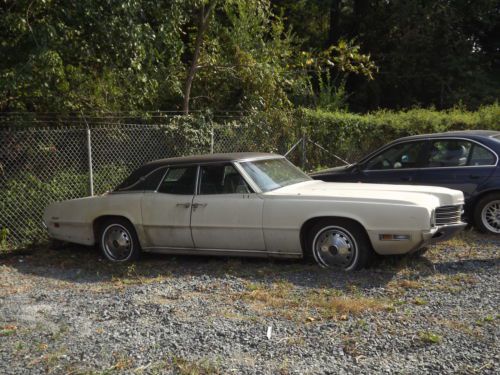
<point>42,165</point>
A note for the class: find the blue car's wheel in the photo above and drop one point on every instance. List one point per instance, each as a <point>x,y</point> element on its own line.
<point>487,214</point>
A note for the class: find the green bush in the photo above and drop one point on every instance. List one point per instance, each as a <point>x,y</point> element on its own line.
<point>24,197</point>
<point>352,135</point>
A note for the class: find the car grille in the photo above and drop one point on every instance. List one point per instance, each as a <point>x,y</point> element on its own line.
<point>447,215</point>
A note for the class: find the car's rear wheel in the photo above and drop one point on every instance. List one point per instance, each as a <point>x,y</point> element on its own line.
<point>118,240</point>
<point>339,243</point>
<point>487,214</point>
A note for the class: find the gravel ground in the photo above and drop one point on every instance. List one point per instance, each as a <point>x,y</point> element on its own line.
<point>68,311</point>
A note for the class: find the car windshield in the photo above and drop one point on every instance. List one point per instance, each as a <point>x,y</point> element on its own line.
<point>271,174</point>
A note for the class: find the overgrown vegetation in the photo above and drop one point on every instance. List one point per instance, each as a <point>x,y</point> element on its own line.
<point>353,135</point>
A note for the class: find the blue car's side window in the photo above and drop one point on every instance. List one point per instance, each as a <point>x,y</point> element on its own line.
<point>400,156</point>
<point>449,153</point>
<point>458,153</point>
<point>481,156</point>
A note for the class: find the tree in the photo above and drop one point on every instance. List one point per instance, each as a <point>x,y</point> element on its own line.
<point>430,53</point>
<point>202,25</point>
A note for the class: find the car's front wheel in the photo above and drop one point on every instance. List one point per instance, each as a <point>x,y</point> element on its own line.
<point>118,240</point>
<point>340,243</point>
<point>487,214</point>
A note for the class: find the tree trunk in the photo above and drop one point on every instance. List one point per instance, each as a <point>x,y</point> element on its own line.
<point>202,28</point>
<point>334,27</point>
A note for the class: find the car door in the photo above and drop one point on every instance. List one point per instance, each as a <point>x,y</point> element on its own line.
<point>397,164</point>
<point>226,214</point>
<point>166,213</point>
<point>456,163</point>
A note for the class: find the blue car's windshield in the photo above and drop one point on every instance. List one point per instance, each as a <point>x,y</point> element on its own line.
<point>271,174</point>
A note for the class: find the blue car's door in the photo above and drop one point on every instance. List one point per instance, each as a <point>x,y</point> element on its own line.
<point>456,163</point>
<point>398,164</point>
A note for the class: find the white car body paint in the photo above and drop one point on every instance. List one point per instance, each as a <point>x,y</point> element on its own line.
<point>260,223</point>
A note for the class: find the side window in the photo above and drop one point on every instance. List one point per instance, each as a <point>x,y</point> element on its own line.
<point>222,179</point>
<point>179,180</point>
<point>481,156</point>
<point>403,155</point>
<point>448,153</point>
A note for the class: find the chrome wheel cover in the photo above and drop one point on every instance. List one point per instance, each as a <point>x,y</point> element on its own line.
<point>117,243</point>
<point>335,247</point>
<point>490,216</point>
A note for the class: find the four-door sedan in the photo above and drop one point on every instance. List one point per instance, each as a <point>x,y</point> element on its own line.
<point>462,160</point>
<point>253,204</point>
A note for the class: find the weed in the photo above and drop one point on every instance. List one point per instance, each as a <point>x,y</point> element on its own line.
<point>419,301</point>
<point>187,367</point>
<point>429,337</point>
<point>8,330</point>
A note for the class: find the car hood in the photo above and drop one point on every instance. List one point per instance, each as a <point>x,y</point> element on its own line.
<point>430,196</point>
<point>330,171</point>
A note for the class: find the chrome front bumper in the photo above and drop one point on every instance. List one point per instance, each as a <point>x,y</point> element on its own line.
<point>444,232</point>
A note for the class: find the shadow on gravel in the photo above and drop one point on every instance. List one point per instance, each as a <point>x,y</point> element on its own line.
<point>80,265</point>
<point>467,266</point>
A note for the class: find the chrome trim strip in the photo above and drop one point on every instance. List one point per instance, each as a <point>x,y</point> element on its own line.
<point>247,178</point>
<point>190,249</point>
<point>161,179</point>
<point>197,183</point>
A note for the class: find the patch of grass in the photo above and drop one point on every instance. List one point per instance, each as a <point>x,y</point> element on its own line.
<point>409,284</point>
<point>429,337</point>
<point>420,301</point>
<point>489,318</point>
<point>8,330</point>
<point>316,304</point>
<point>486,319</point>
<point>350,346</point>
<point>184,366</point>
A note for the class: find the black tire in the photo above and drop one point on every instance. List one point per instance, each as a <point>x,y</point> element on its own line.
<point>352,250</point>
<point>487,214</point>
<point>118,241</point>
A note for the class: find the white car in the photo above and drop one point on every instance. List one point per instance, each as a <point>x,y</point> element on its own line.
<point>255,204</point>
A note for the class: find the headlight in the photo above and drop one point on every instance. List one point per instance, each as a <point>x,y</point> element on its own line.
<point>433,218</point>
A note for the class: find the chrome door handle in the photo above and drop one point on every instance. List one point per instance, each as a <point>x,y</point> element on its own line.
<point>185,205</point>
<point>196,205</point>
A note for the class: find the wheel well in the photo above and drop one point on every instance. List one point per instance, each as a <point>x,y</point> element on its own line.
<point>311,222</point>
<point>96,224</point>
<point>477,198</point>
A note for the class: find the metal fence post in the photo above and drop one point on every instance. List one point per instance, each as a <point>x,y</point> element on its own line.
<point>89,159</point>
<point>212,139</point>
<point>304,151</point>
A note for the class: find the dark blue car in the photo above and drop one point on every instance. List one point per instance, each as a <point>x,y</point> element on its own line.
<point>462,160</point>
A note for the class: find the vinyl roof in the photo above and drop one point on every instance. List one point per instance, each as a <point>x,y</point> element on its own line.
<point>188,160</point>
